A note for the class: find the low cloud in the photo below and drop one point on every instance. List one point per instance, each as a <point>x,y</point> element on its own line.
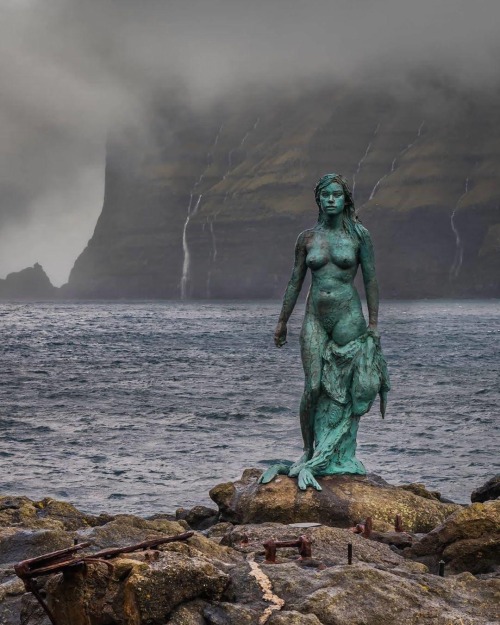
<point>71,71</point>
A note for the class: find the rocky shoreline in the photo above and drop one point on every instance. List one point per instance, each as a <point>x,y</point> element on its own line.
<point>220,574</point>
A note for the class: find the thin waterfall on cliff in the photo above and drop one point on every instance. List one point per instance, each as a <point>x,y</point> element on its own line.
<point>393,164</point>
<point>363,159</point>
<point>213,254</point>
<point>186,263</point>
<point>459,251</point>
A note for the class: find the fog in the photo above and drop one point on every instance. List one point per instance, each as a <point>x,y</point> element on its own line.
<point>72,71</point>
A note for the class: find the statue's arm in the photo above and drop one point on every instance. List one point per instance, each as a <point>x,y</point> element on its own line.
<point>367,261</point>
<point>292,290</point>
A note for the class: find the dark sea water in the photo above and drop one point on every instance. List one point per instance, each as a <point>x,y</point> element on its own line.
<point>143,407</point>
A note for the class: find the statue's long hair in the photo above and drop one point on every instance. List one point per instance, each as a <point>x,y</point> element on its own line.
<point>350,218</point>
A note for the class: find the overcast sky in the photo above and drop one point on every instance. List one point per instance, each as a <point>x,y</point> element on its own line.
<point>72,69</point>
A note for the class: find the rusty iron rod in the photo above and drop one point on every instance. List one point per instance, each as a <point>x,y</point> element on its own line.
<point>398,523</point>
<point>66,559</point>
<point>147,544</point>
<point>367,532</point>
<point>31,587</point>
<point>303,543</point>
<point>25,567</point>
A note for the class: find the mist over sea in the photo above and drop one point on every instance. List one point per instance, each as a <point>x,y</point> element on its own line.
<point>143,407</point>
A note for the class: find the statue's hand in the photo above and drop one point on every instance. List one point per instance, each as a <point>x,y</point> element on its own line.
<point>306,479</point>
<point>280,334</point>
<point>383,402</point>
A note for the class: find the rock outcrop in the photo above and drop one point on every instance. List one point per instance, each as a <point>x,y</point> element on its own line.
<point>31,283</point>
<point>44,514</point>
<point>488,491</point>
<point>468,540</point>
<point>344,501</point>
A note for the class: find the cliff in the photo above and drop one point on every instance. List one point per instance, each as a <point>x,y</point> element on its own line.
<point>213,210</point>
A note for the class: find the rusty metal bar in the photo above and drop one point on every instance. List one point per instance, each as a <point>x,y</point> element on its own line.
<point>303,543</point>
<point>368,528</point>
<point>398,523</point>
<point>31,587</point>
<point>25,568</point>
<point>147,544</point>
<point>66,559</point>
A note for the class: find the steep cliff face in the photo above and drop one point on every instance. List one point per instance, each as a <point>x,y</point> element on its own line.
<point>215,208</point>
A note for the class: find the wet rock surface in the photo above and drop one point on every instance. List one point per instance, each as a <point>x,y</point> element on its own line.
<point>488,491</point>
<point>220,576</point>
<point>199,517</point>
<point>47,514</point>
<point>344,501</point>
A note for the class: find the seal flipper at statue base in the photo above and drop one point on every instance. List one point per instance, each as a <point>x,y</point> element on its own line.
<point>273,471</point>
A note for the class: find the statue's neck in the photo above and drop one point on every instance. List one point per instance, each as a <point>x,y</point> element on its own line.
<point>331,222</point>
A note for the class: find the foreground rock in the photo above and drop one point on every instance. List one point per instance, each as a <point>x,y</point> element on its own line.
<point>200,583</point>
<point>488,491</point>
<point>469,540</point>
<point>344,501</point>
<point>144,587</point>
<point>220,577</point>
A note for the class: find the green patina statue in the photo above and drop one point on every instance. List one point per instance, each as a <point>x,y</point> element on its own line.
<point>343,363</point>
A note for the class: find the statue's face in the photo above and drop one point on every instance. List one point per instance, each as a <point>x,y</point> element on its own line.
<point>332,199</point>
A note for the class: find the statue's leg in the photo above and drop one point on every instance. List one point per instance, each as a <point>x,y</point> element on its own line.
<point>313,339</point>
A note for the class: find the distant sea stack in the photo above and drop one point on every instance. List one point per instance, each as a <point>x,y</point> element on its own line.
<point>31,283</point>
<point>214,209</point>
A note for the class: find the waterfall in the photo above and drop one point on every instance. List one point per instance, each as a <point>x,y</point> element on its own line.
<point>393,164</point>
<point>363,159</point>
<point>459,251</point>
<point>213,254</point>
<point>186,262</point>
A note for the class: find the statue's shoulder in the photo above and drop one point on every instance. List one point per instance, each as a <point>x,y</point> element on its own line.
<point>362,233</point>
<point>305,236</point>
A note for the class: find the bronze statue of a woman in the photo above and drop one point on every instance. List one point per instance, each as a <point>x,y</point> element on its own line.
<point>343,363</point>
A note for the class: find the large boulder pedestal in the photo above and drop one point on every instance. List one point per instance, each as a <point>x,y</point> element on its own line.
<point>344,501</point>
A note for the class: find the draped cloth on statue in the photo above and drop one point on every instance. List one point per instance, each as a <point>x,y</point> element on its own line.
<point>352,376</point>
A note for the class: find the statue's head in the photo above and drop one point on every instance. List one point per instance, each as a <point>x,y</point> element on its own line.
<point>336,182</point>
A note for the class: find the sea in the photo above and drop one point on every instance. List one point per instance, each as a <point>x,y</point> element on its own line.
<point>143,407</point>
